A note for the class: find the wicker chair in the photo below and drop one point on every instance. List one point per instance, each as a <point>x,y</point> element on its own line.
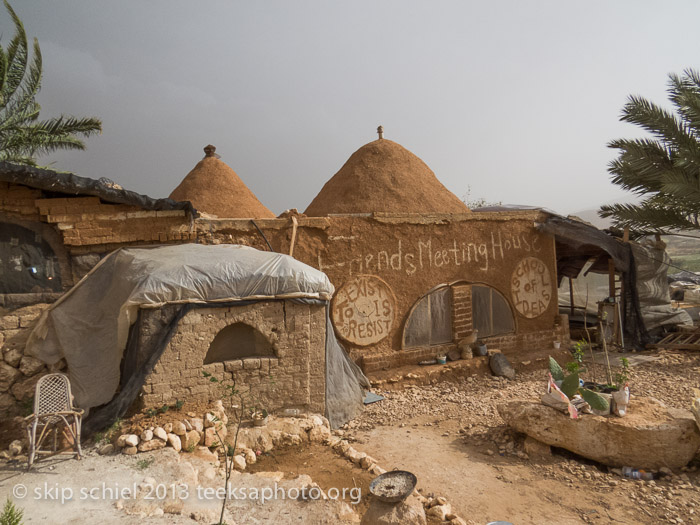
<point>53,411</point>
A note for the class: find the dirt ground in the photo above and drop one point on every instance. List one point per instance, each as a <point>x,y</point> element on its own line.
<point>448,433</point>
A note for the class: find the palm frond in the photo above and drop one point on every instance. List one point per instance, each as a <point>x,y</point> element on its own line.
<point>22,135</point>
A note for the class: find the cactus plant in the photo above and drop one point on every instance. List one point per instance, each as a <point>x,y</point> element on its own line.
<point>571,385</point>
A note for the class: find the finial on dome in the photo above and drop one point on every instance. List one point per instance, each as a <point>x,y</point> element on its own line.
<point>380,132</point>
<point>209,151</point>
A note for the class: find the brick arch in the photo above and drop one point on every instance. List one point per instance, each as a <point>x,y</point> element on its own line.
<point>238,340</point>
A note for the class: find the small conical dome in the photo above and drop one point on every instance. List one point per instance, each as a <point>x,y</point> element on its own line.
<point>214,188</point>
<point>383,176</point>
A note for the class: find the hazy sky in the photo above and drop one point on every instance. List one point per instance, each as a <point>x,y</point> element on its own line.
<point>515,100</point>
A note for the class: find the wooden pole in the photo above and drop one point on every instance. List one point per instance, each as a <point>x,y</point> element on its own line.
<point>571,295</point>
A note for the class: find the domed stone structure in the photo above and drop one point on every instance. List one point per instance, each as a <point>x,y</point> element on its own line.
<point>214,188</point>
<point>383,176</point>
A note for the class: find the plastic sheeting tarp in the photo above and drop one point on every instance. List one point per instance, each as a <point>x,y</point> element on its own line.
<point>89,325</point>
<point>345,382</point>
<point>652,285</point>
<point>652,288</point>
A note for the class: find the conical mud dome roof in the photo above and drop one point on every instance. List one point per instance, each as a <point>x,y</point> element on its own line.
<point>214,188</point>
<point>383,176</point>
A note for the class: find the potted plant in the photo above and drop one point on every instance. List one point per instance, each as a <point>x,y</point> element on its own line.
<point>570,385</point>
<point>259,416</point>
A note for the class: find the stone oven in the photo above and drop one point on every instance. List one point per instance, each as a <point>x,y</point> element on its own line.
<point>275,351</point>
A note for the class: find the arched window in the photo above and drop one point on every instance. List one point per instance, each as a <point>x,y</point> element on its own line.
<point>238,341</point>
<point>491,313</point>
<point>27,262</point>
<point>430,320</point>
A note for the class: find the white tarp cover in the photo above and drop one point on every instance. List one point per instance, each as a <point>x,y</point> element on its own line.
<point>89,325</point>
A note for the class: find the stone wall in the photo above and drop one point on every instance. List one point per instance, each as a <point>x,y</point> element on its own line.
<point>294,377</point>
<point>19,373</point>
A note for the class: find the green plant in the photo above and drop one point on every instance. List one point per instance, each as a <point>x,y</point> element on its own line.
<point>571,385</point>
<point>576,366</point>
<point>662,167</point>
<point>143,464</point>
<point>622,376</point>
<point>22,135</point>
<point>232,397</point>
<point>11,515</point>
<point>191,447</point>
<point>179,404</point>
<point>108,434</point>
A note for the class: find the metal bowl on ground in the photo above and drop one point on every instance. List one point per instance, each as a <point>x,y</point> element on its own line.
<point>393,486</point>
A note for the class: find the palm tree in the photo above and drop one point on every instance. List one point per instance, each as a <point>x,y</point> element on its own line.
<point>664,169</point>
<point>23,136</point>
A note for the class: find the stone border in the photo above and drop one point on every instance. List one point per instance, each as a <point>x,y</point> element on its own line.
<point>437,507</point>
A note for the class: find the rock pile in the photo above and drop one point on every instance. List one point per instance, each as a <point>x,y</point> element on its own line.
<point>201,434</point>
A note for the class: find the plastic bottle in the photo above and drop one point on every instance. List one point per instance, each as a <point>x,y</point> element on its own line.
<point>634,473</point>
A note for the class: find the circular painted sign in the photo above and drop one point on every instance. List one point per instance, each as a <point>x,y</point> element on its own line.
<point>531,287</point>
<point>363,310</point>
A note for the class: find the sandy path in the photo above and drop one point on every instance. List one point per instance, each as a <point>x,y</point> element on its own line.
<point>486,488</point>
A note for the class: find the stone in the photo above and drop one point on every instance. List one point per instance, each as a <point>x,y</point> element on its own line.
<point>319,434</point>
<point>7,403</point>
<point>8,375</point>
<point>24,389</point>
<point>168,427</point>
<point>106,449</point>
<point>367,462</point>
<point>249,455</point>
<point>197,424</point>
<point>209,420</point>
<point>130,451</point>
<point>188,425</point>
<point>440,511</point>
<point>536,449</point>
<point>153,444</point>
<point>15,448</point>
<point>30,365</point>
<point>147,435</point>
<point>458,521</point>
<point>160,433</point>
<point>175,442</point>
<point>210,437</point>
<point>355,456</point>
<point>130,440</point>
<point>649,437</point>
<point>501,367</point>
<point>454,355</point>
<point>192,439</point>
<point>408,512</point>
<point>239,462</point>
<point>205,454</point>
<point>179,428</point>
<point>13,356</point>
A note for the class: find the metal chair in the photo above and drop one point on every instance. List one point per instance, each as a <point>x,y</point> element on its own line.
<point>53,411</point>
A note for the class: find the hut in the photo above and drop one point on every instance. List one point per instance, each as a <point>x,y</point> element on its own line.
<point>215,189</point>
<point>383,176</point>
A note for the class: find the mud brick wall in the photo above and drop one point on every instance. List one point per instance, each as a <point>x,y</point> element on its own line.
<point>294,377</point>
<point>19,373</point>
<point>462,324</point>
<point>78,226</point>
<point>412,254</point>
